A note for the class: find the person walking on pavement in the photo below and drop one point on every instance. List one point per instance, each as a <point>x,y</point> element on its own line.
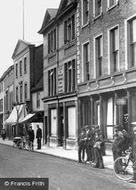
<point>39,137</point>
<point>31,138</point>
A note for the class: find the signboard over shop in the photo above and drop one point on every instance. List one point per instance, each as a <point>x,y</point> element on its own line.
<point>121,101</point>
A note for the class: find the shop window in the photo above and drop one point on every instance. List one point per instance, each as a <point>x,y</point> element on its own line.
<point>132,42</point>
<point>52,82</point>
<point>85,12</point>
<point>86,61</point>
<point>98,55</point>
<point>114,49</point>
<point>97,8</point>
<point>70,76</point>
<point>69,29</point>
<point>52,41</point>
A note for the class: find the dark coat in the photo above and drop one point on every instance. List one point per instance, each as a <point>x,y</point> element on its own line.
<point>39,133</point>
<point>31,135</point>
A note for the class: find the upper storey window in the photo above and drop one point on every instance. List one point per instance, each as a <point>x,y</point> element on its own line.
<point>86,61</point>
<point>25,65</point>
<point>85,12</point>
<point>97,7</point>
<point>114,49</point>
<point>132,42</point>
<point>52,82</point>
<point>98,55</point>
<point>16,70</point>
<point>20,64</point>
<point>69,29</point>
<point>52,41</point>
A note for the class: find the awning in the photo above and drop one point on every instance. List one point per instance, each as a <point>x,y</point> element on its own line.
<point>33,117</point>
<point>27,118</point>
<point>19,112</point>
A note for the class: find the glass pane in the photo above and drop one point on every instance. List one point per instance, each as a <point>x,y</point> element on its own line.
<point>116,39</point>
<point>134,30</point>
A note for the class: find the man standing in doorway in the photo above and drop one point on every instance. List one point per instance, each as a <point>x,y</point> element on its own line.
<point>39,137</point>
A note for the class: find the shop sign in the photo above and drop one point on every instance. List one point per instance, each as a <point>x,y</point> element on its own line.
<point>121,101</point>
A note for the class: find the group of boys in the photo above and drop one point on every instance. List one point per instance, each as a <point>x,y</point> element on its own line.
<point>90,142</point>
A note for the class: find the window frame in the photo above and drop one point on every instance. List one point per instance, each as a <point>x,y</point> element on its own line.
<point>128,41</point>
<point>20,67</point>
<point>96,57</point>
<point>94,9</point>
<point>25,91</point>
<point>25,65</point>
<point>82,14</point>
<point>110,56</point>
<point>70,76</point>
<point>69,29</point>
<point>112,6</point>
<point>52,41</point>
<point>52,82</point>
<point>85,77</point>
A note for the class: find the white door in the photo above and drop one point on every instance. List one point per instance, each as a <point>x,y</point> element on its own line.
<point>71,122</point>
<point>53,122</point>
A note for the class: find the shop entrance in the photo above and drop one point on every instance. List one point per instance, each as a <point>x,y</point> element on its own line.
<point>123,113</point>
<point>61,126</point>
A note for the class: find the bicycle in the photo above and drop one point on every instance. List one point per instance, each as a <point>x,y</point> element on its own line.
<point>123,166</point>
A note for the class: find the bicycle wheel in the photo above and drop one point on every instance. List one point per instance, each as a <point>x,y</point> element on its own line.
<point>123,168</point>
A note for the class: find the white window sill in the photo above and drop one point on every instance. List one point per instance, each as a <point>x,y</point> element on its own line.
<point>85,25</point>
<point>113,6</point>
<point>97,17</point>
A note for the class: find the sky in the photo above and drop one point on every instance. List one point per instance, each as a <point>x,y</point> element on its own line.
<point>11,20</point>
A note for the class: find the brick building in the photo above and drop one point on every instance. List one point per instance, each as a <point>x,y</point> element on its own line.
<point>60,93</point>
<point>6,97</point>
<point>28,70</point>
<point>106,74</point>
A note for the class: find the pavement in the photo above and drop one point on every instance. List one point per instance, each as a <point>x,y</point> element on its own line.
<point>71,154</point>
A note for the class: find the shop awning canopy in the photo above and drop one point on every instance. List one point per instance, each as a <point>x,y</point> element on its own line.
<point>18,112</point>
<point>33,117</point>
<point>27,118</point>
